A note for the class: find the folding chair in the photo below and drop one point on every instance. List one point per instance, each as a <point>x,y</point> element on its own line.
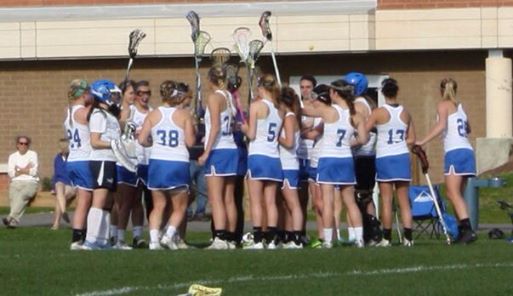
<point>424,212</point>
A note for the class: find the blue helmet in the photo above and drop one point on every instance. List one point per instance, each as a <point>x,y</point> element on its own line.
<point>359,81</point>
<point>103,91</point>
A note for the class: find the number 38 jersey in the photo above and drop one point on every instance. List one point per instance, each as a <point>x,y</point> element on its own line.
<point>267,133</point>
<point>336,137</point>
<point>455,135</point>
<point>78,136</point>
<point>392,135</point>
<point>168,138</point>
<point>224,139</point>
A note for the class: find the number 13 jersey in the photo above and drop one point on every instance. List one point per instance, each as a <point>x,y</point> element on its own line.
<point>392,135</point>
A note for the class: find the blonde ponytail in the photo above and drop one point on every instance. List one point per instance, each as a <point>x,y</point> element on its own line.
<point>448,87</point>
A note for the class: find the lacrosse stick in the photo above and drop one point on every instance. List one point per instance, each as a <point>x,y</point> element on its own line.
<point>134,39</point>
<point>200,40</point>
<point>421,154</point>
<point>255,47</point>
<point>234,82</point>
<point>268,35</point>
<point>241,37</point>
<point>220,56</point>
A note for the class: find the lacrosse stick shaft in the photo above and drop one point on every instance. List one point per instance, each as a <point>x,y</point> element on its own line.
<point>198,86</point>
<point>250,85</point>
<point>275,64</point>
<point>398,228</point>
<point>130,62</point>
<point>437,207</point>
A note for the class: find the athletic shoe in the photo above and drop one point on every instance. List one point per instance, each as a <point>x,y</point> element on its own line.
<point>372,243</point>
<point>139,243</point>
<point>155,246</point>
<point>75,246</point>
<point>231,245</point>
<point>326,245</point>
<point>87,246</point>
<point>273,245</point>
<point>65,217</point>
<point>316,244</point>
<point>359,244</point>
<point>253,246</point>
<point>292,245</point>
<point>218,244</point>
<point>5,220</point>
<point>467,237</point>
<point>121,245</point>
<point>182,245</point>
<point>384,243</point>
<point>9,222</point>
<point>408,243</point>
<point>168,242</point>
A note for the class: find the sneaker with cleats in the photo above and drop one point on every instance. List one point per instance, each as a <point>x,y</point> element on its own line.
<point>384,243</point>
<point>218,244</point>
<point>168,242</point>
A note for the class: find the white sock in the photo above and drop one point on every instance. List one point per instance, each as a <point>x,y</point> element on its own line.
<point>137,231</point>
<point>358,233</point>
<point>154,236</point>
<point>171,230</point>
<point>94,221</point>
<point>121,235</point>
<point>352,234</point>
<point>103,236</point>
<point>113,232</point>
<point>328,235</point>
<point>338,233</point>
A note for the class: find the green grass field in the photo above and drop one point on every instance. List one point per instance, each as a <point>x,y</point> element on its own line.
<point>36,261</point>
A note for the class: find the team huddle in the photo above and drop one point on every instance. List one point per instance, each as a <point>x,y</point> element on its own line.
<point>330,143</point>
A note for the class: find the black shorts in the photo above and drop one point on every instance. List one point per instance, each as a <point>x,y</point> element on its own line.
<point>104,174</point>
<point>365,172</point>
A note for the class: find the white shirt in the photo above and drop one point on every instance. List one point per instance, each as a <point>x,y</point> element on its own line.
<point>288,157</point>
<point>392,135</point>
<point>455,135</point>
<point>168,138</point>
<point>78,136</point>
<point>369,148</point>
<point>224,139</point>
<point>335,141</point>
<point>267,133</point>
<point>138,117</point>
<point>18,160</point>
<point>107,125</point>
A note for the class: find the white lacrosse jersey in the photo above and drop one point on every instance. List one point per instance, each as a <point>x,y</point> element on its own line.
<point>288,157</point>
<point>392,135</point>
<point>369,148</point>
<point>108,126</point>
<point>455,135</point>
<point>313,153</point>
<point>224,139</point>
<point>305,145</point>
<point>267,133</point>
<point>168,138</point>
<point>78,136</point>
<point>138,117</point>
<point>337,136</point>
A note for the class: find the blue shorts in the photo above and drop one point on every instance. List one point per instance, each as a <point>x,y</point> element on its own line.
<point>304,164</point>
<point>126,177</point>
<point>336,171</point>
<point>460,162</point>
<point>222,162</point>
<point>80,175</point>
<point>167,174</point>
<point>291,179</point>
<point>261,167</point>
<point>393,168</point>
<point>142,173</point>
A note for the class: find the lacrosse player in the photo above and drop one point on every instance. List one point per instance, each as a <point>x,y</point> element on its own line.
<point>395,132</point>
<point>220,159</point>
<point>77,130</point>
<point>264,166</point>
<point>459,159</point>
<point>172,130</point>
<point>335,169</point>
<point>104,128</point>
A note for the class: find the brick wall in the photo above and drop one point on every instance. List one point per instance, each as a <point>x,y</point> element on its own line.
<point>33,96</point>
<point>414,4</point>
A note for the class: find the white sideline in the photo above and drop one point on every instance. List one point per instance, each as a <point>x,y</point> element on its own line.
<point>250,278</point>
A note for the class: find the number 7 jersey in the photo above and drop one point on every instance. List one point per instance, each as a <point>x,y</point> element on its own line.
<point>392,135</point>
<point>168,138</point>
<point>78,135</point>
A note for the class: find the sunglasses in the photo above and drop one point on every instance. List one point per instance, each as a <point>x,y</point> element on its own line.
<point>23,143</point>
<point>141,93</point>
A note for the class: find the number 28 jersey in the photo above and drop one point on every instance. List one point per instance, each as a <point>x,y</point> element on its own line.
<point>267,133</point>
<point>78,137</point>
<point>168,138</point>
<point>455,135</point>
<point>392,135</point>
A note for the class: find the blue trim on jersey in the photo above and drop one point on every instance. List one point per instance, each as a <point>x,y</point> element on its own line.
<point>222,162</point>
<point>126,177</point>
<point>291,179</point>
<point>167,174</point>
<point>460,162</point>
<point>142,173</point>
<point>80,174</point>
<point>261,167</point>
<point>393,168</point>
<point>336,171</point>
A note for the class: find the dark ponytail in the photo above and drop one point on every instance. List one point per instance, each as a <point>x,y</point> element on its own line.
<point>289,98</point>
<point>346,91</point>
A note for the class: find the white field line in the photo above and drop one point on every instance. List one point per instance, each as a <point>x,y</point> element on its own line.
<point>252,278</point>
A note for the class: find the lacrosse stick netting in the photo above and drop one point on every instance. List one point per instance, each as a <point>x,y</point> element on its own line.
<point>268,35</point>
<point>220,56</point>
<point>241,36</point>
<point>134,39</point>
<point>193,19</point>
<point>255,47</point>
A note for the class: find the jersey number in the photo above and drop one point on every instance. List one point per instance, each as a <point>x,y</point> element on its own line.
<point>168,139</point>
<point>340,135</point>
<point>74,139</point>
<point>226,128</point>
<point>399,132</point>
<point>271,132</point>
<point>462,127</point>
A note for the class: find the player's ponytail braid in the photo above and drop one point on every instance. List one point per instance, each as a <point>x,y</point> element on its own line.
<point>346,91</point>
<point>448,88</point>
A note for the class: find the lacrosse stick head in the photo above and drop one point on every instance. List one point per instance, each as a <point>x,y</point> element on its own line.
<point>220,56</point>
<point>241,36</point>
<point>194,20</point>
<point>232,76</point>
<point>421,154</point>
<point>200,43</point>
<point>264,25</point>
<point>134,39</point>
<point>255,47</point>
